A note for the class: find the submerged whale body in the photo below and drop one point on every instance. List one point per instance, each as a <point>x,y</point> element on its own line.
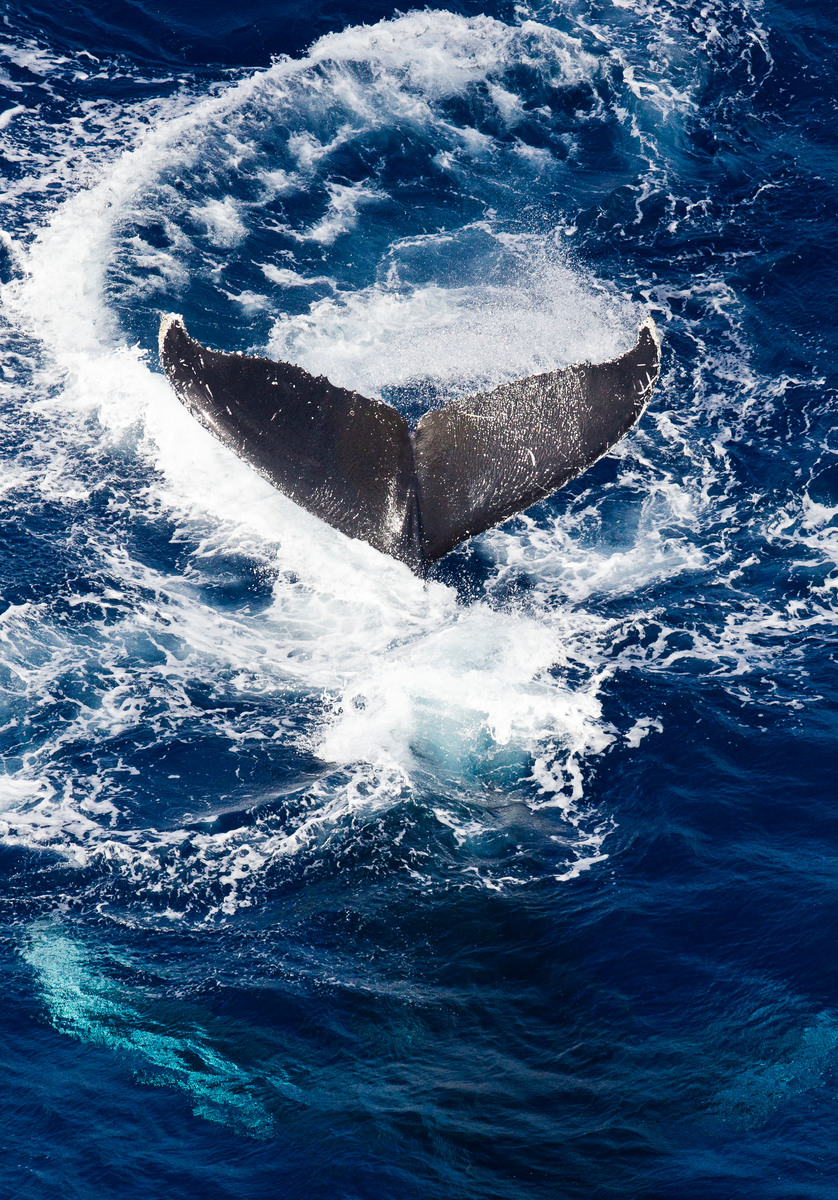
<point>411,493</point>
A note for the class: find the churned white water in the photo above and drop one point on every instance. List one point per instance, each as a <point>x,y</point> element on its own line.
<point>402,682</point>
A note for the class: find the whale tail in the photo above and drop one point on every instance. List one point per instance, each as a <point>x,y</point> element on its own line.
<point>413,494</point>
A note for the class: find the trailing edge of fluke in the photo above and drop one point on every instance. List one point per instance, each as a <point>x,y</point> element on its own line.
<point>413,494</point>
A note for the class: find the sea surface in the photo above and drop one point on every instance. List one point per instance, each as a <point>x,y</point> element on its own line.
<point>318,881</point>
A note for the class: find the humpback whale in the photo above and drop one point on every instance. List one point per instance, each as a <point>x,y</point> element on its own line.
<point>411,493</point>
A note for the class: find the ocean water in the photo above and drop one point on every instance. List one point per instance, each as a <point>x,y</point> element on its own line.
<point>320,881</point>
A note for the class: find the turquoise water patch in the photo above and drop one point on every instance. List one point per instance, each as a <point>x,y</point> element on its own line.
<point>83,1001</point>
<point>765,1088</point>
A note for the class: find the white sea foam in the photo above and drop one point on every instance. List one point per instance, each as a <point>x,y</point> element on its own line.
<point>222,221</point>
<point>9,114</point>
<point>462,337</point>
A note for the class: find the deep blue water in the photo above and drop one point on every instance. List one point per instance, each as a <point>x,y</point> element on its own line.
<point>318,881</point>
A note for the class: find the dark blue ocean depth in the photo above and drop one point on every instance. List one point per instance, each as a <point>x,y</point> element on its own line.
<point>316,881</point>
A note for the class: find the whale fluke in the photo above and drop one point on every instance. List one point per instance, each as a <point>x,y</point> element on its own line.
<point>415,495</point>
